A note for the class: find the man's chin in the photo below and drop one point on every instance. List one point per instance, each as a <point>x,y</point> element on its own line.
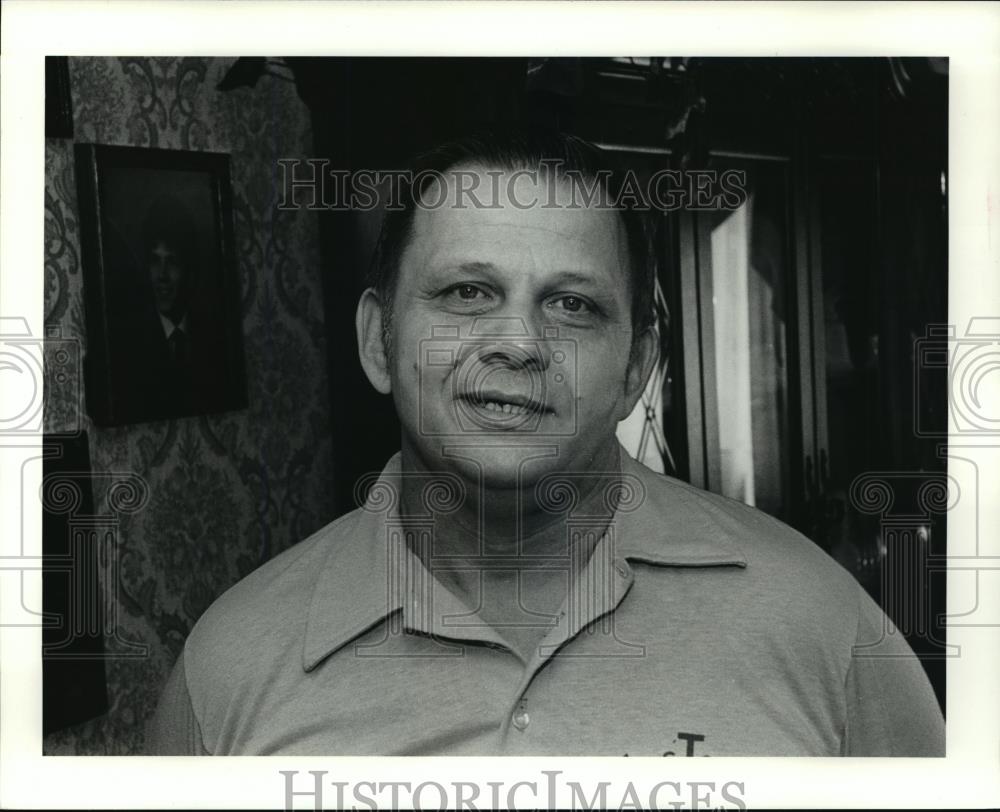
<point>503,462</point>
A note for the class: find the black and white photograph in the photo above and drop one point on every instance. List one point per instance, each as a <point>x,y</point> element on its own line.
<point>711,329</point>
<point>598,404</point>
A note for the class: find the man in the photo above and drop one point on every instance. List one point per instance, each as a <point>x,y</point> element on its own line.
<point>169,355</point>
<point>515,583</point>
<point>170,263</point>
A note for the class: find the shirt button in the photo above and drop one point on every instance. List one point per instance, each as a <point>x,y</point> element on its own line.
<point>622,569</point>
<point>521,719</point>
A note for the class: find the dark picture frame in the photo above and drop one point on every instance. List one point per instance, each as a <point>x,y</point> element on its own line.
<point>164,326</point>
<point>58,98</point>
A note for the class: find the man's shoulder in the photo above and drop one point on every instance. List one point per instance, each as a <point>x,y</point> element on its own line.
<point>273,599</point>
<point>768,550</point>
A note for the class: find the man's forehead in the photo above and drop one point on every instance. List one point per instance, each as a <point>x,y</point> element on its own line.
<point>517,188</point>
<point>519,216</point>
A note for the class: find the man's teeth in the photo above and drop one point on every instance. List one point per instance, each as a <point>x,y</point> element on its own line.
<point>505,408</point>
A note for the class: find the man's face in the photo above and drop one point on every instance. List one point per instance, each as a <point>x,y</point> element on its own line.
<point>512,334</point>
<point>167,275</point>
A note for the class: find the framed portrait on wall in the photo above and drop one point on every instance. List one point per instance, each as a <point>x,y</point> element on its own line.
<point>164,332</point>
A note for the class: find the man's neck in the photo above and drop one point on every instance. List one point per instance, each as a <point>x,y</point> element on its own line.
<point>525,519</point>
<point>515,543</point>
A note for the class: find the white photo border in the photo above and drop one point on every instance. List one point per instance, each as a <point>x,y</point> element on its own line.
<point>969,34</point>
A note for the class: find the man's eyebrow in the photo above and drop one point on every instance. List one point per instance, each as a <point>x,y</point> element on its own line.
<point>577,278</point>
<point>475,267</point>
<point>565,277</point>
<point>450,269</point>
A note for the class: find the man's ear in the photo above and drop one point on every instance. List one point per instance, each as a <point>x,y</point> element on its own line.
<point>371,348</point>
<point>642,359</point>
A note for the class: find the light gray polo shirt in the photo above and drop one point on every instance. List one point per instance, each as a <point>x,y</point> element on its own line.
<point>699,626</point>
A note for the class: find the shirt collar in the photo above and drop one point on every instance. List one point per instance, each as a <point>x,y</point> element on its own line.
<point>370,574</point>
<point>671,523</point>
<point>169,326</point>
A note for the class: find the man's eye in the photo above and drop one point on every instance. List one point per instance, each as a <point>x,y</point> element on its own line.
<point>572,304</point>
<point>466,293</point>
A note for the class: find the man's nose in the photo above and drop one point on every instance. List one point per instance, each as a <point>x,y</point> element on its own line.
<point>512,341</point>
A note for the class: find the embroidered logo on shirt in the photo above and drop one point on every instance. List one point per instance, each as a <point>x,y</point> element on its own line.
<point>686,741</point>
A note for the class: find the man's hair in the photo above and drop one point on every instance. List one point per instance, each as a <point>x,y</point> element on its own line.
<point>169,221</point>
<point>511,151</point>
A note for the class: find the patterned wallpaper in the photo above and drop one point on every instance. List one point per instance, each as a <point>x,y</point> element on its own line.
<point>228,491</point>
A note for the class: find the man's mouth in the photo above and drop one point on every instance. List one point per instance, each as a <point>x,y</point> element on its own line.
<point>502,408</point>
<point>501,404</point>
